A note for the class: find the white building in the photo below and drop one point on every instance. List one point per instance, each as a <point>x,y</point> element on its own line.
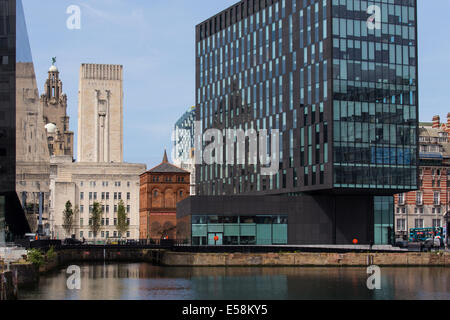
<point>83,183</point>
<point>100,175</point>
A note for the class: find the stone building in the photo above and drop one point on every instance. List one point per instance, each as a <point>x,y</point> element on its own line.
<point>428,206</point>
<point>99,175</point>
<point>83,183</point>
<point>161,188</point>
<point>100,113</point>
<point>32,155</point>
<point>54,105</point>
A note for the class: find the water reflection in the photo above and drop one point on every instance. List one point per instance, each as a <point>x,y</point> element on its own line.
<point>145,281</point>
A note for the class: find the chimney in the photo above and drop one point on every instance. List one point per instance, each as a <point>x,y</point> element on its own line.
<point>436,122</point>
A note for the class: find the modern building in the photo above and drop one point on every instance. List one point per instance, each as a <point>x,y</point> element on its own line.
<point>99,174</point>
<point>54,105</point>
<point>341,89</point>
<point>428,207</point>
<point>183,145</point>
<point>24,156</point>
<point>161,188</point>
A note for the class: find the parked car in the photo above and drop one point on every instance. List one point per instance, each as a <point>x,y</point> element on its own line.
<point>132,242</point>
<point>428,244</point>
<point>72,241</point>
<point>31,236</point>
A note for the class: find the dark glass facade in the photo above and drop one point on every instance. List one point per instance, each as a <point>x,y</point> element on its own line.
<point>14,48</point>
<point>375,96</point>
<point>343,96</point>
<point>7,96</point>
<point>240,230</point>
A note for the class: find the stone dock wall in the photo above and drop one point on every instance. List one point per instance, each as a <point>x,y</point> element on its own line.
<point>307,259</point>
<point>8,285</point>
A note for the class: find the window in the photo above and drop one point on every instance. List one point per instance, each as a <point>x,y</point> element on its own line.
<point>81,222</point>
<point>81,234</point>
<point>128,196</point>
<point>436,223</point>
<point>128,234</point>
<point>81,195</point>
<point>107,196</point>
<point>401,224</point>
<point>436,198</point>
<point>90,195</point>
<point>418,223</point>
<point>418,197</point>
<point>401,198</point>
<point>81,208</point>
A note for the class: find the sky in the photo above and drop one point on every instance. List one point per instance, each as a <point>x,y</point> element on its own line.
<point>154,40</point>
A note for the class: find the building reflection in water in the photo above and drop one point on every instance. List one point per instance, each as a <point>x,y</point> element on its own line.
<point>145,281</point>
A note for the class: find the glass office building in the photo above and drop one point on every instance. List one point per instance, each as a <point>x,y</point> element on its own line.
<point>337,78</point>
<point>184,137</point>
<point>14,49</point>
<point>343,95</point>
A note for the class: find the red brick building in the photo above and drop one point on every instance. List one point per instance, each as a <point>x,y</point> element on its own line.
<point>161,188</point>
<point>428,206</point>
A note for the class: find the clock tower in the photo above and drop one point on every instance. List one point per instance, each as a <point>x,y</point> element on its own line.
<point>54,105</point>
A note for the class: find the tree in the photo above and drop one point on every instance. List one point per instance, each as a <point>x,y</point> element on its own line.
<point>96,219</point>
<point>122,223</point>
<point>68,218</point>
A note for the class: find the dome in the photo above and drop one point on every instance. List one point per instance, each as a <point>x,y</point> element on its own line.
<point>51,127</point>
<point>53,68</point>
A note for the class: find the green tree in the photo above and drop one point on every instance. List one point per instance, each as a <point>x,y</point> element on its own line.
<point>68,218</point>
<point>96,219</point>
<point>122,223</point>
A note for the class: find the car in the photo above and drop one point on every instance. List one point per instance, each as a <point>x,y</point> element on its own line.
<point>72,241</point>
<point>31,236</point>
<point>428,244</point>
<point>132,242</point>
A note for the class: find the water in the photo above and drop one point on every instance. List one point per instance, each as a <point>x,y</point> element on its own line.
<point>145,281</point>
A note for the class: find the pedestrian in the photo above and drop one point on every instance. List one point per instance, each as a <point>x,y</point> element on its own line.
<point>437,243</point>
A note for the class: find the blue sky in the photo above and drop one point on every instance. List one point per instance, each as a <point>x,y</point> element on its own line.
<point>155,42</point>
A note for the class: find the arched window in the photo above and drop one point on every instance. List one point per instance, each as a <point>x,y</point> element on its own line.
<point>155,193</point>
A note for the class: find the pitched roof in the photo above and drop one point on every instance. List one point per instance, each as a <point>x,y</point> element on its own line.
<point>166,167</point>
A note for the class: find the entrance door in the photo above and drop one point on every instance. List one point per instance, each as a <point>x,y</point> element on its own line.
<point>212,239</point>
